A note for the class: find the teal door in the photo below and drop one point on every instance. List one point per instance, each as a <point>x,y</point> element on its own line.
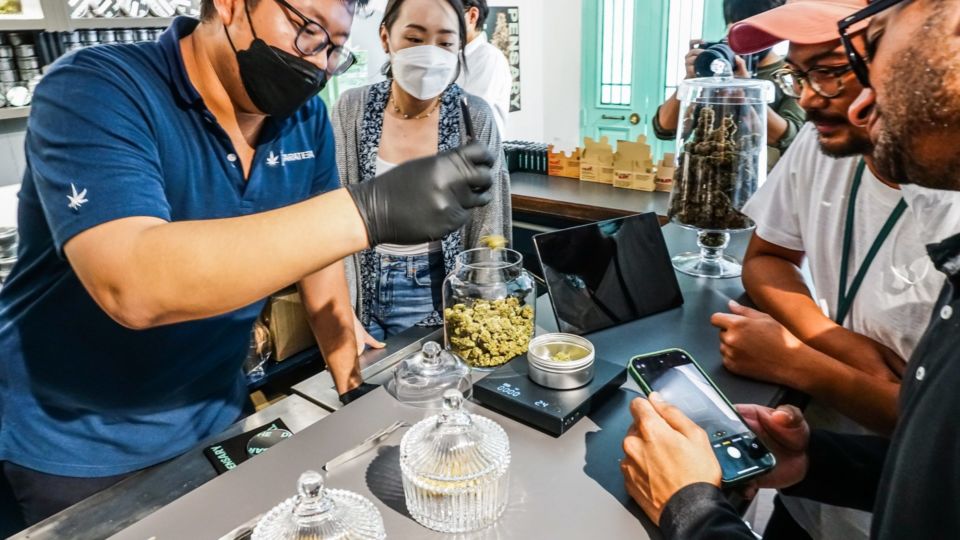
<point>620,67</point>
<point>632,60</point>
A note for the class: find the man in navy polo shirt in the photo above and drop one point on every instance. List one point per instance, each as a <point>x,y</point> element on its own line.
<point>170,187</point>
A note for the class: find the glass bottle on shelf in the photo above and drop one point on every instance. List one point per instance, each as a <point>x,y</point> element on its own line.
<point>455,468</point>
<point>721,161</point>
<point>489,307</point>
<point>320,513</point>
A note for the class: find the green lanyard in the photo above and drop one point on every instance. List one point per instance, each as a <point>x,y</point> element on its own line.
<point>845,300</point>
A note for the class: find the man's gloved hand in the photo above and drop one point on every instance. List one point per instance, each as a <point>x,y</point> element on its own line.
<point>424,199</point>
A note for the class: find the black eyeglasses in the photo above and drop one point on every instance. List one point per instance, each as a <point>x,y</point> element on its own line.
<point>825,81</point>
<point>858,62</point>
<point>313,39</point>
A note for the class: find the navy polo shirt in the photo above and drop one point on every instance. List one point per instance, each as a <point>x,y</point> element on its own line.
<point>119,131</point>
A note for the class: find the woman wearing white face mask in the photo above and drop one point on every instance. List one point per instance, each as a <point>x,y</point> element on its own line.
<point>415,113</point>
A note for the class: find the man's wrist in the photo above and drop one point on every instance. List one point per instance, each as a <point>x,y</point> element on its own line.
<point>689,508</point>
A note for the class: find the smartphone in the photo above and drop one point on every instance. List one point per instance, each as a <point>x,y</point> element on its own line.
<point>677,377</point>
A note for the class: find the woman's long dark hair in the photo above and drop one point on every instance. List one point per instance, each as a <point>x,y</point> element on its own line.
<point>392,13</point>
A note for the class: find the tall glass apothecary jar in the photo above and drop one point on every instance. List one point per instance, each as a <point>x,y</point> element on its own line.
<point>721,161</point>
<point>489,307</point>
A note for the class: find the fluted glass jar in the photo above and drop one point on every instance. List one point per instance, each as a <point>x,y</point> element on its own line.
<point>319,513</point>
<point>489,307</point>
<point>455,468</point>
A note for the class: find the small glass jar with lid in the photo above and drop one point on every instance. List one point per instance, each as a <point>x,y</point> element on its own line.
<point>721,161</point>
<point>489,307</point>
<point>422,378</point>
<point>455,468</point>
<point>319,513</point>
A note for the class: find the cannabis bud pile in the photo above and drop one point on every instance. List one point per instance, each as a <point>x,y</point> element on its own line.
<point>717,173</point>
<point>489,333</point>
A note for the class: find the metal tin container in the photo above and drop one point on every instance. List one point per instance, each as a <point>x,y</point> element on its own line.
<point>25,50</point>
<point>107,36</point>
<point>15,38</point>
<point>88,35</point>
<point>6,51</point>
<point>70,37</point>
<point>19,96</point>
<point>128,36</point>
<point>144,34</point>
<point>546,368</point>
<point>8,76</point>
<point>26,62</point>
<point>6,64</point>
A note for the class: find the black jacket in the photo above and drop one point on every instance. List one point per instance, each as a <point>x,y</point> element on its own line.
<point>911,482</point>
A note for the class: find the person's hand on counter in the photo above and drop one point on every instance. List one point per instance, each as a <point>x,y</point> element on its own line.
<point>364,339</point>
<point>753,344</point>
<point>424,199</point>
<point>664,452</point>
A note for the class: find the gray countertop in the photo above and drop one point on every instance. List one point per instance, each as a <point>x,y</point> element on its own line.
<point>566,487</point>
<point>142,494</point>
<point>573,191</point>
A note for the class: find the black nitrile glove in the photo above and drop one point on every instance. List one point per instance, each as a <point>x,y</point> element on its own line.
<point>356,393</point>
<point>424,199</point>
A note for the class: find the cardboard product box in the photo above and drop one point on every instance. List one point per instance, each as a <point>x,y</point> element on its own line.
<point>559,164</point>
<point>289,326</point>
<point>596,161</point>
<point>633,165</point>
<point>666,170</point>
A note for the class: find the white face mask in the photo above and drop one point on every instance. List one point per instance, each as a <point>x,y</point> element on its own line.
<point>425,71</point>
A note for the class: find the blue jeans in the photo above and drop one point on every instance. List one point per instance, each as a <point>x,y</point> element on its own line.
<point>408,291</point>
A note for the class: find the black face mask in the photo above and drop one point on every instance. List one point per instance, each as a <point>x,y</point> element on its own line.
<point>277,82</point>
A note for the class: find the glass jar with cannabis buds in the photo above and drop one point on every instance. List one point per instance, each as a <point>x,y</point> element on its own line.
<point>489,307</point>
<point>721,161</point>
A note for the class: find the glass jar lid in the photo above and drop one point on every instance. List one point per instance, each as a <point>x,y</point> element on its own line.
<point>726,90</point>
<point>454,451</point>
<point>318,513</point>
<point>422,378</point>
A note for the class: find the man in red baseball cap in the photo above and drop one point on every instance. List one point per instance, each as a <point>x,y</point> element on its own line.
<point>844,349</point>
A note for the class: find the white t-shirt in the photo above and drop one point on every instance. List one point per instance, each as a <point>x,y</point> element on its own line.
<point>488,76</point>
<point>399,250</point>
<point>803,207</point>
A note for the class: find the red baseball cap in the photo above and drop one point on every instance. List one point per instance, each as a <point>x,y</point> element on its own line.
<point>804,22</point>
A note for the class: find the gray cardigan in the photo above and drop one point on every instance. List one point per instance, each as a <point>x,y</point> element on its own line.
<point>495,218</point>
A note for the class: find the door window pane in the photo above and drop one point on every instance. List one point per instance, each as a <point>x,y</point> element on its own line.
<point>616,38</point>
<point>686,23</point>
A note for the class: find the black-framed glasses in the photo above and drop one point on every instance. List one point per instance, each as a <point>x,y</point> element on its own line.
<point>313,39</point>
<point>827,82</point>
<point>858,62</point>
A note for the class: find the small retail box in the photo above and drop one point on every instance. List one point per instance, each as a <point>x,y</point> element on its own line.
<point>596,161</point>
<point>665,173</point>
<point>288,323</point>
<point>559,164</point>
<point>633,165</point>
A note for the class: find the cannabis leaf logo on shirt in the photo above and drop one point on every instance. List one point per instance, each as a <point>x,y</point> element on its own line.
<point>77,199</point>
<point>273,160</point>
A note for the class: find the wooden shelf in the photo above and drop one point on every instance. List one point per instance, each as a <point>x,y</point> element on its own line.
<point>120,22</point>
<point>9,113</point>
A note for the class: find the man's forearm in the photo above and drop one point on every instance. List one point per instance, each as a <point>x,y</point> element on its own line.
<point>172,272</point>
<point>777,287</point>
<point>868,400</point>
<point>701,511</point>
<point>776,127</point>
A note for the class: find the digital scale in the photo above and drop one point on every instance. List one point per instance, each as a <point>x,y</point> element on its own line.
<point>509,391</point>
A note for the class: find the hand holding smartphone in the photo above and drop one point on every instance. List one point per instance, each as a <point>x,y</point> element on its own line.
<point>677,377</point>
